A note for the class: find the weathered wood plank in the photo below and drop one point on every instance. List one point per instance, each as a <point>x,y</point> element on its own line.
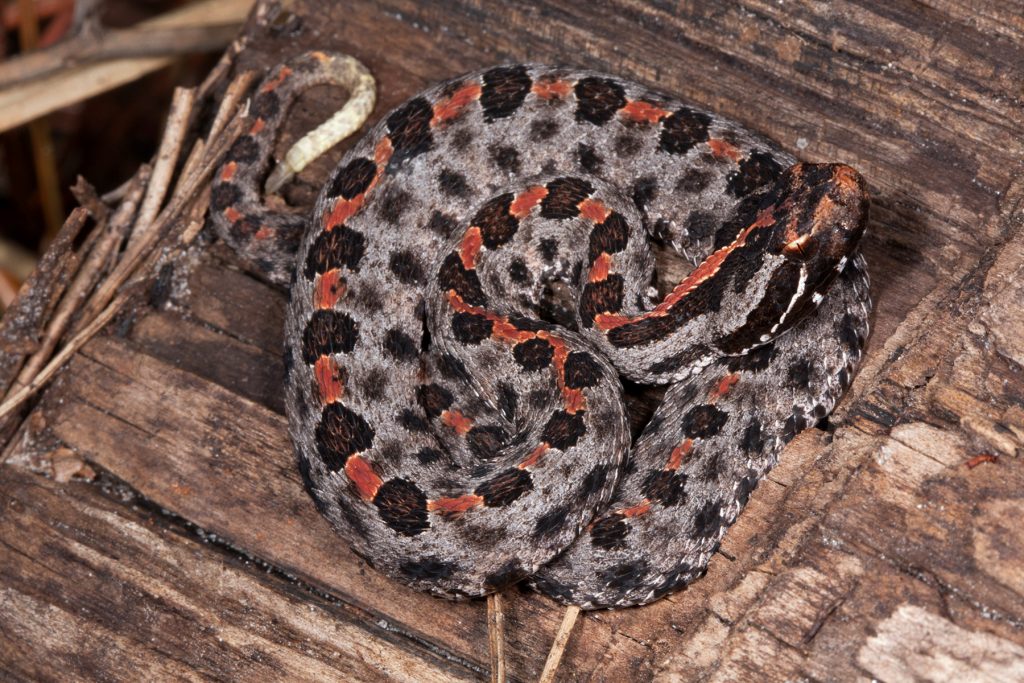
<point>871,551</point>
<point>97,589</point>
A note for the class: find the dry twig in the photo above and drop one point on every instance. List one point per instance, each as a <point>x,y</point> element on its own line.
<point>558,647</point>
<point>496,637</point>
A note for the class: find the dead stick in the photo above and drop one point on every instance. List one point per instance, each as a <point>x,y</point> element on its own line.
<point>85,279</point>
<point>47,373</point>
<point>558,647</point>
<point>166,159</point>
<point>496,637</point>
<point>183,196</point>
<point>134,43</point>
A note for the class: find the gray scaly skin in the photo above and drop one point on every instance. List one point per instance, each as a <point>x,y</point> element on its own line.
<point>476,276</point>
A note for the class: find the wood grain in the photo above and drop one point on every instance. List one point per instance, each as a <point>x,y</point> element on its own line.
<point>872,550</point>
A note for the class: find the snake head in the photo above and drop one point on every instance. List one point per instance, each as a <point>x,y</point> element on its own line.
<point>824,209</point>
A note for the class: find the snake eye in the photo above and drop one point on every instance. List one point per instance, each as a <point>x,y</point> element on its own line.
<point>801,249</point>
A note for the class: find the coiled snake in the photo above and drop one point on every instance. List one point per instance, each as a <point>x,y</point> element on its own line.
<point>477,277</point>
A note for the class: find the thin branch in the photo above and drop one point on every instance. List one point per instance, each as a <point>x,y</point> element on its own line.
<point>496,637</point>
<point>166,159</point>
<point>55,364</point>
<point>558,647</point>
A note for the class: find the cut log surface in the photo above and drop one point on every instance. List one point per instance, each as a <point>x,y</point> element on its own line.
<point>888,546</point>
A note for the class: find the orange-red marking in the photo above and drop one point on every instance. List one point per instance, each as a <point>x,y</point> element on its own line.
<point>573,400</point>
<point>599,271</point>
<point>643,112</point>
<point>455,506</point>
<point>721,148</point>
<point>329,288</point>
<point>228,171</point>
<point>635,511</point>
<point>264,233</point>
<point>284,73</point>
<point>360,473</point>
<point>457,421</point>
<point>526,200</point>
<point>471,243</point>
<point>382,155</point>
<point>725,385</point>
<point>453,106</point>
<point>257,126</point>
<point>328,379</point>
<point>678,453</point>
<point>594,210</point>
<point>232,214</point>
<point>552,89</point>
<point>342,210</point>
<point>502,330</point>
<point>534,456</point>
<point>978,459</point>
<point>710,266</point>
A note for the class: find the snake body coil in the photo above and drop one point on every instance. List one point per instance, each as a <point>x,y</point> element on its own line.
<point>477,276</point>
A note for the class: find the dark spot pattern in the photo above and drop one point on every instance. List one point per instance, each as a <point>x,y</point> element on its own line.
<point>625,576</point>
<point>564,196</point>
<point>412,421</point>
<point>708,521</point>
<point>496,224</point>
<point>601,297</point>
<point>400,346</point>
<point>543,129</point>
<point>506,158</point>
<point>551,522</point>
<point>746,487</point>
<point>340,434</point>
<point>800,373</point>
<point>582,370</point>
<point>683,130</point>
<point>753,441</point>
<point>441,224</point>
<point>428,569</point>
<point>452,368</point>
<point>760,168</point>
<point>452,183</point>
<point>509,573</point>
<point>428,455</point>
<point>244,150</point>
<point>589,160</point>
<point>504,90</point>
<point>485,440</point>
<point>223,196</point>
<point>406,267</point>
<point>265,105</point>
<point>328,332</point>
<point>665,487</point>
<point>518,272</point>
<point>402,506</point>
<point>409,130</point>
<point>505,488</point>
<point>341,247</point>
<point>434,398</point>
<point>609,237</point>
<point>703,421</point>
<point>564,430</point>
<point>548,249</point>
<point>354,179</point>
<point>533,354</point>
<point>454,276</point>
<point>597,99</point>
<point>470,328</point>
<point>609,533</point>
